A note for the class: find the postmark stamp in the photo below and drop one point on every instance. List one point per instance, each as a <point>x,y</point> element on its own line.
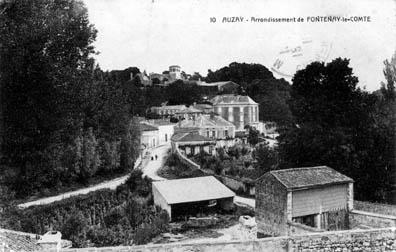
<point>293,58</point>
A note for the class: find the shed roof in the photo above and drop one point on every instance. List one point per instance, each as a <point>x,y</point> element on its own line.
<point>192,189</point>
<point>308,177</point>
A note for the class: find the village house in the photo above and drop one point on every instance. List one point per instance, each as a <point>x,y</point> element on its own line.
<point>149,135</point>
<point>210,126</point>
<point>165,129</point>
<point>188,113</point>
<point>191,143</point>
<point>311,197</point>
<point>192,196</point>
<point>240,110</point>
<point>168,111</point>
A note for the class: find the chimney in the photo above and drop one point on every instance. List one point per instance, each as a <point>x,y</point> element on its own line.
<point>51,241</point>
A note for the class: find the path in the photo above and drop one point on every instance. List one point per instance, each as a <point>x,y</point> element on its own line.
<point>152,167</point>
<point>149,168</point>
<point>111,184</point>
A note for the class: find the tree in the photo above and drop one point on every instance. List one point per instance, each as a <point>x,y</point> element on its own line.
<point>182,93</point>
<point>130,145</point>
<point>46,49</point>
<point>334,124</point>
<point>267,158</point>
<point>75,228</point>
<point>253,136</point>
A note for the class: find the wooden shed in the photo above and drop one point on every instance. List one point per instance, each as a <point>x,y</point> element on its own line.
<point>187,197</point>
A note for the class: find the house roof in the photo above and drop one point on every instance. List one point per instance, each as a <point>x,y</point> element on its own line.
<point>216,84</point>
<point>203,121</point>
<point>190,137</point>
<point>159,122</point>
<point>19,241</point>
<point>232,99</point>
<point>192,189</point>
<point>147,127</point>
<point>177,107</point>
<point>308,177</point>
<point>189,110</point>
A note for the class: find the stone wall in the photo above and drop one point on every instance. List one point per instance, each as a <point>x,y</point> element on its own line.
<point>271,207</point>
<point>186,160</point>
<point>362,219</point>
<point>299,229</point>
<point>351,240</point>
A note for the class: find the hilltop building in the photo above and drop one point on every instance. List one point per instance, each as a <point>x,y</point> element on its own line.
<point>319,198</point>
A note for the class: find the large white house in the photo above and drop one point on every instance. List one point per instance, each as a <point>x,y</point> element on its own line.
<point>240,110</point>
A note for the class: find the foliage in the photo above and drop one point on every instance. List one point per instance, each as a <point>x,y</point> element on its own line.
<point>182,93</point>
<point>253,136</point>
<point>337,124</point>
<point>267,158</point>
<point>100,218</point>
<point>259,83</point>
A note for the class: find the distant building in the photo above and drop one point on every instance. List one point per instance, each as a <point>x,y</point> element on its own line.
<point>167,77</point>
<point>317,197</point>
<point>240,110</point>
<point>211,126</point>
<point>149,137</point>
<point>144,78</point>
<point>175,73</point>
<point>221,86</point>
<point>191,143</point>
<point>167,111</point>
<point>165,129</point>
<point>192,196</point>
<point>188,113</point>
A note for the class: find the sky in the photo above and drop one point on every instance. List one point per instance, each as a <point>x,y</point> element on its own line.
<point>154,34</point>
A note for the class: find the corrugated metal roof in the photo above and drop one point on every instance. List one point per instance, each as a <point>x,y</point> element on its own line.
<point>306,177</point>
<point>192,189</point>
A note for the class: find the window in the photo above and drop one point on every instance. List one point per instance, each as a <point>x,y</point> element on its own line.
<point>166,137</point>
<point>226,133</point>
<point>213,133</point>
<point>207,133</point>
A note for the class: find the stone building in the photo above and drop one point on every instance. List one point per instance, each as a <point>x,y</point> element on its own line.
<point>149,135</point>
<point>317,197</point>
<point>191,143</point>
<point>166,111</point>
<point>240,110</point>
<point>211,126</point>
<point>165,129</point>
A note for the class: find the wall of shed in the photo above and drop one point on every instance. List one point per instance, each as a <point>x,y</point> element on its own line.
<point>271,207</point>
<point>159,200</point>
<point>314,201</point>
